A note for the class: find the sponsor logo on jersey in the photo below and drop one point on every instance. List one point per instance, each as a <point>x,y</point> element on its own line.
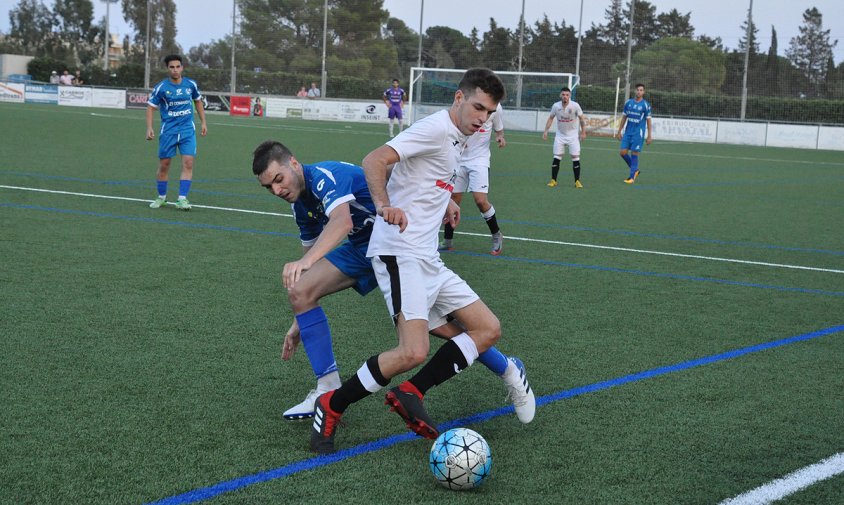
<point>446,186</point>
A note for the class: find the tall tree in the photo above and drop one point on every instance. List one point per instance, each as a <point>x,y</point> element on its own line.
<point>498,50</point>
<point>674,24</point>
<point>811,51</point>
<point>680,65</point>
<point>452,43</point>
<point>74,20</point>
<point>32,27</point>
<point>771,83</point>
<point>162,28</point>
<point>614,31</point>
<point>552,47</point>
<point>644,23</point>
<point>754,42</point>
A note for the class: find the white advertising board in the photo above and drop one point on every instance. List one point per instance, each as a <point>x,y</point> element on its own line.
<point>75,97</point>
<point>831,137</point>
<point>12,92</point>
<point>751,134</point>
<point>785,135</point>
<point>684,130</point>
<point>109,98</point>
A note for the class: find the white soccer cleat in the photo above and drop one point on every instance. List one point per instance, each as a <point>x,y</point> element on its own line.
<point>519,390</point>
<point>304,410</point>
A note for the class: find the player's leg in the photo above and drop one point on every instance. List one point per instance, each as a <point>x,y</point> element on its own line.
<point>510,369</point>
<point>166,151</point>
<point>479,186</point>
<point>461,184</point>
<point>391,116</point>
<point>634,144</point>
<point>574,151</point>
<point>323,279</point>
<point>187,148</point>
<point>403,281</point>
<point>559,150</point>
<point>399,118</point>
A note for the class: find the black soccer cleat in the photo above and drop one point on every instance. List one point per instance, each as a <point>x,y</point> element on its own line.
<point>324,426</point>
<point>410,408</point>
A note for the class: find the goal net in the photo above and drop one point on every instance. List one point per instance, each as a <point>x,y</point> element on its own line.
<point>432,89</point>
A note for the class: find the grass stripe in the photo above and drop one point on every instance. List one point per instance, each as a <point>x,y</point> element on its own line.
<point>209,492</point>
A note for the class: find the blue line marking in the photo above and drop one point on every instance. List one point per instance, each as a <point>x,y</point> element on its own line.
<point>485,256</point>
<point>319,461</point>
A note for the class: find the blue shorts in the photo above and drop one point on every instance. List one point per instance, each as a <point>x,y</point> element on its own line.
<point>352,261</point>
<point>632,142</point>
<point>394,112</point>
<point>185,140</point>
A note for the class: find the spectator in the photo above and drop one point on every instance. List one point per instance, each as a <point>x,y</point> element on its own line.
<point>258,109</point>
<point>77,79</point>
<point>314,91</point>
<point>303,93</point>
<point>66,79</point>
<point>54,77</point>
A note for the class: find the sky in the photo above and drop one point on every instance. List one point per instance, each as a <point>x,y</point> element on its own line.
<point>201,21</point>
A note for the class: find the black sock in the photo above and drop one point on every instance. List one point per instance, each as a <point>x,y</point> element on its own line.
<point>493,224</point>
<point>575,166</point>
<point>448,233</point>
<point>440,367</point>
<point>555,168</point>
<point>353,389</point>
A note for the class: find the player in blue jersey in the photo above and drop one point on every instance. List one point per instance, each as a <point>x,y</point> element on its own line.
<point>637,113</point>
<point>331,202</point>
<point>174,98</point>
<point>394,98</point>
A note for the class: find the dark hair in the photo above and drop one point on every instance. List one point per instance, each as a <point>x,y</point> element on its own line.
<point>637,85</point>
<point>268,151</point>
<point>172,57</point>
<point>565,88</point>
<point>485,79</point>
<point>395,80</point>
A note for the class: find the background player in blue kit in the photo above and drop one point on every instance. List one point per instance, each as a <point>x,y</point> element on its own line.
<point>394,99</point>
<point>637,112</point>
<point>331,202</point>
<point>174,98</point>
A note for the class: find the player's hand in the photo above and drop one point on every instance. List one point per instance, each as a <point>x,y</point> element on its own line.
<point>544,135</point>
<point>291,341</point>
<point>394,215</point>
<point>616,135</point>
<point>648,140</point>
<point>150,134</point>
<point>293,271</point>
<point>501,142</point>
<point>452,214</point>
<point>203,130</point>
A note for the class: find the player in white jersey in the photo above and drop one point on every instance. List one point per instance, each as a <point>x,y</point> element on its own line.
<point>568,115</point>
<point>473,176</point>
<point>420,291</point>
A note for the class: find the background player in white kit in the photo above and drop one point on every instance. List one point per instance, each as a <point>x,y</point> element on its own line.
<point>473,175</point>
<point>567,114</point>
<point>418,288</point>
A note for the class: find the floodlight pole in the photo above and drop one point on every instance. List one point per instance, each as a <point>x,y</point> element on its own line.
<point>146,49</point>
<point>521,54</point>
<point>746,60</point>
<point>233,84</point>
<point>419,52</point>
<point>107,38</point>
<point>629,50</point>
<point>324,42</point>
<point>579,42</point>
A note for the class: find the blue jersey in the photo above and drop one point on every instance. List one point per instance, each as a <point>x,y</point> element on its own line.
<point>327,185</point>
<point>175,103</point>
<point>637,116</point>
<point>394,95</point>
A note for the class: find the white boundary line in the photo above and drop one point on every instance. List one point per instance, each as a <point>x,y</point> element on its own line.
<point>791,483</point>
<point>539,241</point>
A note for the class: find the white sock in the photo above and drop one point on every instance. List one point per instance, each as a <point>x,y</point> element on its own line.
<point>328,382</point>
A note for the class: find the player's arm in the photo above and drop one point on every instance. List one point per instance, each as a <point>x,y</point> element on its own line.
<point>150,131</point>
<point>200,111</point>
<point>499,138</point>
<point>376,168</point>
<point>648,140</point>
<point>547,127</point>
<point>621,125</point>
<point>338,227</point>
<point>582,127</point>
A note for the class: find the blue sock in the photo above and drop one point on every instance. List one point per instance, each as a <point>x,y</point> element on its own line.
<point>184,187</point>
<point>627,159</point>
<point>162,188</point>
<point>494,360</point>
<point>316,337</point>
<point>634,164</point>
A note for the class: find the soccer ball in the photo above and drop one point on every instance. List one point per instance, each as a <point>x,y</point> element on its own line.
<point>460,459</point>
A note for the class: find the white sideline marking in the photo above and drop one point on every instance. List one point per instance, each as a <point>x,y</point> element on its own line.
<point>791,483</point>
<point>471,234</point>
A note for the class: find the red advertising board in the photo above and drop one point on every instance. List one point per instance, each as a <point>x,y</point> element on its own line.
<point>240,106</point>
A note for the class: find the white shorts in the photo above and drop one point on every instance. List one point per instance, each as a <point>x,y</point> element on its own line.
<point>474,178</point>
<point>561,141</point>
<point>421,289</point>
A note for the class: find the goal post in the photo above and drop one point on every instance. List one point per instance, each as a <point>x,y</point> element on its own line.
<point>432,89</point>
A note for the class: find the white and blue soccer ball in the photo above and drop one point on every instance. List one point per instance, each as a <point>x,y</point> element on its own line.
<point>460,459</point>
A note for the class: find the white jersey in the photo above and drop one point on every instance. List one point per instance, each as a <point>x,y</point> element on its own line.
<point>421,185</point>
<point>567,117</point>
<point>477,147</point>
